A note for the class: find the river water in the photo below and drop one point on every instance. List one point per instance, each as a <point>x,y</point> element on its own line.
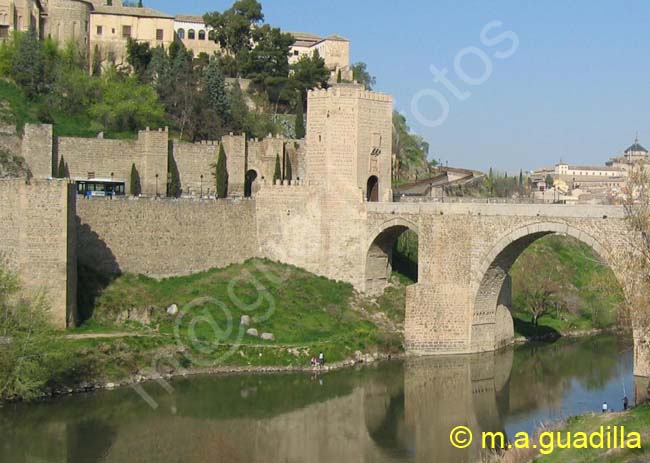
<point>399,411</point>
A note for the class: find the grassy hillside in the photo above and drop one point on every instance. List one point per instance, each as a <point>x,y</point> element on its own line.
<point>297,307</point>
<point>131,330</point>
<point>19,110</point>
<point>635,420</point>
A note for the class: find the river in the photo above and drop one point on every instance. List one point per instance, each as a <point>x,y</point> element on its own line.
<point>398,411</point>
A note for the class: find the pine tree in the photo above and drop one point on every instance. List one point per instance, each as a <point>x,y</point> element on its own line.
<point>277,173</point>
<point>97,62</point>
<point>215,89</point>
<point>300,118</point>
<point>27,65</point>
<point>135,188</point>
<point>221,174</point>
<point>60,173</point>
<point>288,173</point>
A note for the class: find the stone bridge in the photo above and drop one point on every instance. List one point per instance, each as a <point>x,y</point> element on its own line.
<point>460,302</point>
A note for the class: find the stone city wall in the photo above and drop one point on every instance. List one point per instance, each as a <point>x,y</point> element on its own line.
<point>151,153</point>
<point>164,237</point>
<point>289,225</point>
<point>38,241</point>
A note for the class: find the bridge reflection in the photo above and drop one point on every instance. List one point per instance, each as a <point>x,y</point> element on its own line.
<point>396,412</point>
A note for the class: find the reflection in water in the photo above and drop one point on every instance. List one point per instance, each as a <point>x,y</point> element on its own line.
<point>394,412</point>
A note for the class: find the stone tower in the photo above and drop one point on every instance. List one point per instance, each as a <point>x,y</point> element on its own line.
<point>349,140</point>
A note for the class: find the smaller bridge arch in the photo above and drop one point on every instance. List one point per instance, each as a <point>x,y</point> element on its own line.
<point>379,255</point>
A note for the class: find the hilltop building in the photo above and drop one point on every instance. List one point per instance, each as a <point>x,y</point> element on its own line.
<point>106,25</point>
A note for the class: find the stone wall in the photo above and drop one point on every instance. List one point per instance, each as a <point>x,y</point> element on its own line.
<point>289,225</point>
<point>38,241</point>
<point>37,149</point>
<point>151,153</point>
<point>164,237</point>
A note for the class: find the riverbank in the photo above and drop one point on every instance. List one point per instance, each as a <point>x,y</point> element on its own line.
<point>635,420</point>
<point>258,316</point>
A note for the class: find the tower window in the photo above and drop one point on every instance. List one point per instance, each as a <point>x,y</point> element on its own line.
<point>100,30</point>
<point>159,34</point>
<point>126,32</point>
<point>201,35</point>
<point>191,34</point>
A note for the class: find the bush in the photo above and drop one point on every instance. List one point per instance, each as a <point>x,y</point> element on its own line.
<point>35,361</point>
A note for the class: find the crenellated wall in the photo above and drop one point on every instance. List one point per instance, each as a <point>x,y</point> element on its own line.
<point>151,154</point>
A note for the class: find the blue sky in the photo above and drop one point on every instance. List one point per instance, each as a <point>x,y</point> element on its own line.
<point>576,87</point>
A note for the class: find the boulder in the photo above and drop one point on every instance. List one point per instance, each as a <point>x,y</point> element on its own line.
<point>251,332</point>
<point>245,320</point>
<point>136,314</point>
<point>172,309</point>
<point>268,337</point>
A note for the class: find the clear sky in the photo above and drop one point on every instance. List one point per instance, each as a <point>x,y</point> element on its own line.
<point>576,86</point>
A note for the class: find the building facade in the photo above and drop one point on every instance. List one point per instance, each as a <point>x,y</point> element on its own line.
<point>112,26</point>
<point>19,15</point>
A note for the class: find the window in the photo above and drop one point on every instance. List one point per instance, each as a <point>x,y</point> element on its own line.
<point>126,32</point>
<point>4,32</point>
<point>113,31</point>
<point>100,29</point>
<point>191,34</point>
<point>159,34</point>
<point>181,33</point>
<point>296,53</point>
<point>201,35</point>
<point>212,35</point>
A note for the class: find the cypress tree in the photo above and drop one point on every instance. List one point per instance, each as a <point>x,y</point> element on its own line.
<point>339,78</point>
<point>97,62</point>
<point>60,173</point>
<point>288,174</point>
<point>221,174</point>
<point>277,173</point>
<point>135,188</point>
<point>300,118</point>
<point>174,189</point>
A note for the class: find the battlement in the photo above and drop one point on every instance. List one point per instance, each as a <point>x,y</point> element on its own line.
<point>349,91</point>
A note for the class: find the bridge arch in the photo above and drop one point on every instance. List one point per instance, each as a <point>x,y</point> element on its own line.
<point>492,325</point>
<point>379,255</point>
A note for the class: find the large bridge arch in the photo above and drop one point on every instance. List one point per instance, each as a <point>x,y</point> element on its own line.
<point>379,247</point>
<point>491,323</point>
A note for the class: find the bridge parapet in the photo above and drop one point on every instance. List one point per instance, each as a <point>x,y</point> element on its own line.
<point>489,209</point>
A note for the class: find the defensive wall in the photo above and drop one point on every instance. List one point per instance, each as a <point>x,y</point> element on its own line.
<point>154,155</point>
<point>162,238</point>
<point>38,241</point>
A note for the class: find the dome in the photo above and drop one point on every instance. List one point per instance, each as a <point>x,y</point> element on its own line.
<point>636,148</point>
